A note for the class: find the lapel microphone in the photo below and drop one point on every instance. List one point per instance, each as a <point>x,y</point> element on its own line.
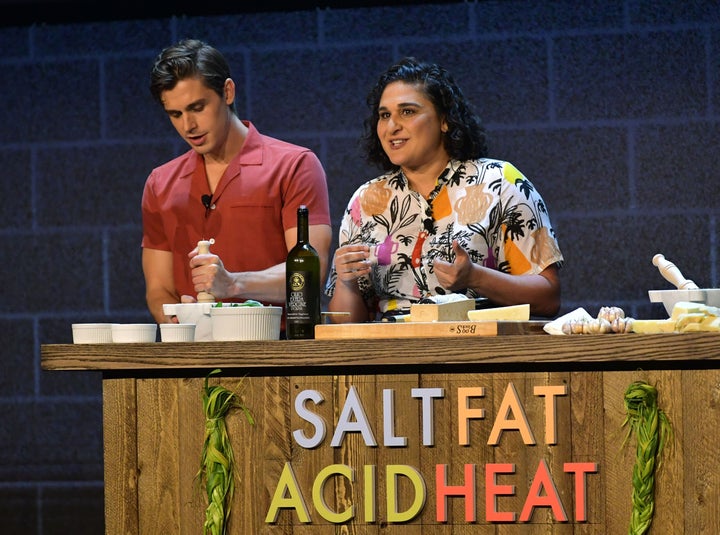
<point>207,203</point>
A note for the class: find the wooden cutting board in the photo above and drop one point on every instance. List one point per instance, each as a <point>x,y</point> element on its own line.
<point>426,329</point>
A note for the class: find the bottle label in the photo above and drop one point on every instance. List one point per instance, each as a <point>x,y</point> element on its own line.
<point>298,307</point>
<point>297,281</point>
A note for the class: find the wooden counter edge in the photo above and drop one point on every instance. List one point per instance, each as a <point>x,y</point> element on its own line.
<point>404,352</point>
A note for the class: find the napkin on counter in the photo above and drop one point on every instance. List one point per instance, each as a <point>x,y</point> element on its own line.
<point>555,326</point>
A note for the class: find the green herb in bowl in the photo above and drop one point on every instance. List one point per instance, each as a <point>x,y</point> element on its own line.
<point>248,303</point>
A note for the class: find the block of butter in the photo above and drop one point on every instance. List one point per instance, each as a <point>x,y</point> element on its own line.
<point>453,310</point>
<point>653,326</point>
<point>508,313</point>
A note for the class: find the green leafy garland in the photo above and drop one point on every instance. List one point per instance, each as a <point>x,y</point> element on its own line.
<point>217,465</point>
<point>653,432</point>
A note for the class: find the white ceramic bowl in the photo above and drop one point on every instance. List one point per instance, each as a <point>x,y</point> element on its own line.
<point>177,332</point>
<point>707,296</point>
<point>133,332</point>
<point>92,333</point>
<point>246,322</point>
<point>196,313</point>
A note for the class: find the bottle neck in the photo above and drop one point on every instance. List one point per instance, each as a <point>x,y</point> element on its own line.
<point>302,226</point>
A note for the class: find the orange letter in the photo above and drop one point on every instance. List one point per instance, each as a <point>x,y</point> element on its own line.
<point>511,403</point>
<point>465,412</point>
<point>550,409</point>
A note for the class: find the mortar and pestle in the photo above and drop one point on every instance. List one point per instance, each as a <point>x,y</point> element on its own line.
<point>197,313</point>
<point>685,289</point>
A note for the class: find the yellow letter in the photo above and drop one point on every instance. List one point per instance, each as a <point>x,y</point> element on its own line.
<point>319,497</point>
<point>370,480</point>
<point>295,500</point>
<point>392,472</point>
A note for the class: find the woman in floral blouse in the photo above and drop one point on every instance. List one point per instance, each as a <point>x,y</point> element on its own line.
<point>443,218</point>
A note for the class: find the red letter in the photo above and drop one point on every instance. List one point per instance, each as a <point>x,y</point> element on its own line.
<point>541,480</point>
<point>492,490</point>
<point>443,490</point>
<point>580,469</point>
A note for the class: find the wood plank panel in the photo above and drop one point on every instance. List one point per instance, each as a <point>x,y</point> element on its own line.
<point>555,450</point>
<point>120,449</point>
<point>191,428</point>
<point>669,515</point>
<point>699,449</point>
<point>404,413</point>
<point>510,449</point>
<point>619,459</point>
<point>270,447</point>
<point>587,429</point>
<point>354,450</point>
<point>158,455</point>
<point>307,463</point>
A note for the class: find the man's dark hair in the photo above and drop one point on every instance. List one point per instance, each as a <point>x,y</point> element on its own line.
<point>189,58</point>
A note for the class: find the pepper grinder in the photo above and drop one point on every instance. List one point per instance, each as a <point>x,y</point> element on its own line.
<point>672,274</point>
<point>203,247</point>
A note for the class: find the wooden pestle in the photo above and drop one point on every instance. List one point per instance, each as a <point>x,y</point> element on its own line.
<point>672,274</point>
<point>203,247</point>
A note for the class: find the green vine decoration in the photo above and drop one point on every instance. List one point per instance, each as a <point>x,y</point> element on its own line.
<point>653,432</point>
<point>217,464</point>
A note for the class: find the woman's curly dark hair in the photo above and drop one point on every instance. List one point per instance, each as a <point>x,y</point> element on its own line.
<point>465,138</point>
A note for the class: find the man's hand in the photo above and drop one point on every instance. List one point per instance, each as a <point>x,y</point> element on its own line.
<point>209,275</point>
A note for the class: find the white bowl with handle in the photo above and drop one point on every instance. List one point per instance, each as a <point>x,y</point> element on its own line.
<point>196,313</point>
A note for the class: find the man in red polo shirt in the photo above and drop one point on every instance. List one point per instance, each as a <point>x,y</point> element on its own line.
<point>235,186</point>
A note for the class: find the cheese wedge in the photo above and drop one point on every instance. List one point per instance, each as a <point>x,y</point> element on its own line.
<point>710,324</point>
<point>449,311</point>
<point>509,313</point>
<point>686,307</point>
<point>707,324</point>
<point>653,326</point>
<point>686,319</point>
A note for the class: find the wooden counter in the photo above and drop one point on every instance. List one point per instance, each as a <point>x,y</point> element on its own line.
<point>153,430</point>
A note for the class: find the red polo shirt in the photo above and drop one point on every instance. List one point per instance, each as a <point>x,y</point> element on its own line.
<point>254,203</point>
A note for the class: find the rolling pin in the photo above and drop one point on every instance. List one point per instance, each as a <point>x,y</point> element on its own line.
<point>672,274</point>
<point>203,247</point>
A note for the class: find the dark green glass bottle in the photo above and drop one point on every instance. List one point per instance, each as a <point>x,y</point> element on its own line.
<point>302,284</point>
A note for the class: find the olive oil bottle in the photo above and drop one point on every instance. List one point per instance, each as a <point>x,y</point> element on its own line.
<point>302,284</point>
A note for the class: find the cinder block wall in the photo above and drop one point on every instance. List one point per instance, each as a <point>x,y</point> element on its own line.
<point>610,107</point>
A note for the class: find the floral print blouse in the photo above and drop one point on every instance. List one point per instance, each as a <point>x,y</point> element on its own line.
<point>494,212</point>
